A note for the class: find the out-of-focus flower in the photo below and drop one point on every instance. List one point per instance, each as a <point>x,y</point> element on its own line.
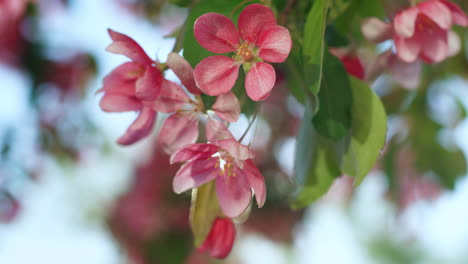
<point>258,39</point>
<point>132,86</point>
<point>422,31</point>
<point>226,161</point>
<point>408,75</point>
<point>350,61</point>
<point>219,241</point>
<point>12,13</point>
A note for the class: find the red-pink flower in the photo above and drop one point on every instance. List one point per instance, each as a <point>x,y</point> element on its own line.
<point>350,61</point>
<point>258,39</point>
<point>421,31</point>
<point>226,161</point>
<point>181,128</point>
<point>219,241</point>
<point>132,86</point>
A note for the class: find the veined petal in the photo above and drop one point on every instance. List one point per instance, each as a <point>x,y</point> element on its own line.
<point>260,80</point>
<point>171,98</point>
<point>437,12</point>
<point>376,30</point>
<point>184,72</point>
<point>404,23</point>
<point>122,79</point>
<point>148,86</point>
<point>111,102</point>
<point>256,181</point>
<point>408,49</point>
<point>178,130</point>
<point>140,128</point>
<point>195,173</point>
<point>216,33</point>
<point>123,44</point>
<point>236,149</point>
<point>216,75</point>
<point>227,107</point>
<point>197,151</point>
<point>216,131</point>
<point>253,20</point>
<point>219,241</point>
<point>234,194</point>
<point>275,44</point>
<point>458,16</point>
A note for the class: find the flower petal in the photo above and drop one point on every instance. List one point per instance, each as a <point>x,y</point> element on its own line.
<point>434,44</point>
<point>275,44</point>
<point>404,23</point>
<point>111,102</point>
<point>408,75</point>
<point>140,128</point>
<point>216,75</point>
<point>219,241</point>
<point>253,20</point>
<point>458,16</point>
<point>184,72</point>
<point>178,130</point>
<point>195,173</point>
<point>454,43</point>
<point>148,86</point>
<point>216,131</point>
<point>122,79</point>
<point>408,49</point>
<point>437,12</point>
<point>234,194</point>
<point>256,181</point>
<point>376,30</point>
<point>171,98</point>
<point>236,149</point>
<point>194,152</point>
<point>260,80</point>
<point>227,107</point>
<point>123,44</point>
<point>216,33</point>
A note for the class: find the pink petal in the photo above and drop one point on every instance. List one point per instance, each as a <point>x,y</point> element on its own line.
<point>260,80</point>
<point>405,21</point>
<point>183,70</point>
<point>376,30</point>
<point>408,75</point>
<point>216,75</point>
<point>171,98</point>
<point>353,66</point>
<point>197,151</point>
<point>122,44</point>
<point>234,194</point>
<point>435,45</point>
<point>454,43</point>
<point>256,181</point>
<point>216,33</point>
<point>253,20</point>
<point>236,149</point>
<point>178,130</point>
<point>227,107</point>
<point>122,79</point>
<point>437,12</point>
<point>111,102</point>
<point>140,128</point>
<point>275,44</point>
<point>216,131</point>
<point>458,16</point>
<point>195,173</point>
<point>408,49</point>
<point>219,241</point>
<point>148,86</point>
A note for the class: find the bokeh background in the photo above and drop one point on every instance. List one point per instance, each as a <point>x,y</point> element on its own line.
<point>70,194</point>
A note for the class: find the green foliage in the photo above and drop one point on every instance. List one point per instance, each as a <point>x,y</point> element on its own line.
<point>349,19</point>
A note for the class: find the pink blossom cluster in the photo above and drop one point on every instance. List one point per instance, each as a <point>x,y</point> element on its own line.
<point>140,85</point>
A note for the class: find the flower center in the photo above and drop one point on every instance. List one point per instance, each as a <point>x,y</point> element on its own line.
<point>227,166</point>
<point>245,51</point>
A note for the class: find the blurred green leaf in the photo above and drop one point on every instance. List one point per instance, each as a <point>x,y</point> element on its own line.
<point>368,131</point>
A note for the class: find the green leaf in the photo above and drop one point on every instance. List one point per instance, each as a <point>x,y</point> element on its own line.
<point>368,131</point>
<point>313,48</point>
<point>316,162</point>
<point>204,210</point>
<point>335,99</point>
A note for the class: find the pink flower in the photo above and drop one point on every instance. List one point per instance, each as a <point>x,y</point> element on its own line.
<point>181,128</point>
<point>132,86</point>
<point>226,161</point>
<point>219,241</point>
<point>351,62</point>
<point>258,39</point>
<point>421,31</point>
